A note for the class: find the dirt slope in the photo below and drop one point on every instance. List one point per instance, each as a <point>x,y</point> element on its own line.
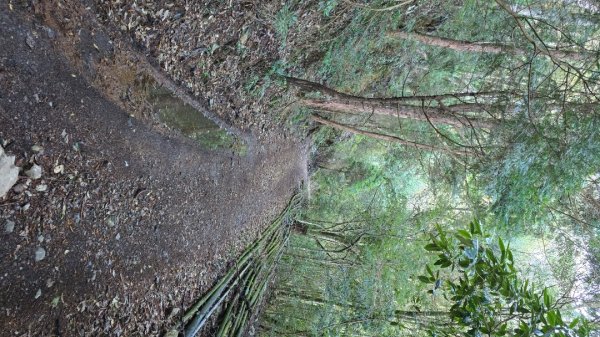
<point>128,225</point>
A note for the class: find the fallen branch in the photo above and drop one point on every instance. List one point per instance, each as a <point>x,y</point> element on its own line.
<point>388,138</point>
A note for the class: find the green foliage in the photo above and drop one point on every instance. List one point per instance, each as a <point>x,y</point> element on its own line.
<point>535,171</point>
<point>528,175</point>
<point>327,6</point>
<point>283,21</point>
<point>485,292</point>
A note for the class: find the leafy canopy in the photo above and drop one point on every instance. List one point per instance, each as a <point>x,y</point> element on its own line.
<point>485,293</point>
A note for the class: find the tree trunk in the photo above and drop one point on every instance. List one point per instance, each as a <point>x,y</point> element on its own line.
<point>481,47</point>
<point>453,115</point>
<point>448,115</point>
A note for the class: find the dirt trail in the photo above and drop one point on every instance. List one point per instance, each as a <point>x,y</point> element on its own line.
<point>129,225</point>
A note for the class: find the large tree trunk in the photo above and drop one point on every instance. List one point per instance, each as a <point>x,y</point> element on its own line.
<point>481,47</point>
<point>453,115</point>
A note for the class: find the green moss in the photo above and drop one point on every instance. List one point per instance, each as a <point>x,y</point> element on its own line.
<point>190,122</point>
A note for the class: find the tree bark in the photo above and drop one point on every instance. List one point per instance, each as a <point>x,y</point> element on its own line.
<point>452,115</point>
<point>481,47</point>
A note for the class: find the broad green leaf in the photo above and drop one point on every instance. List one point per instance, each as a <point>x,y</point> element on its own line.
<point>432,247</point>
<point>547,298</point>
<point>573,324</point>
<point>428,270</point>
<point>502,247</point>
<point>424,279</point>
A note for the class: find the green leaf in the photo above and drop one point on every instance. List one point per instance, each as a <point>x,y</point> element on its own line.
<point>559,318</point>
<point>502,331</point>
<point>464,263</point>
<point>432,247</point>
<point>490,255</point>
<point>475,227</point>
<point>502,247</point>
<point>445,263</point>
<point>551,318</point>
<point>424,279</point>
<point>464,234</point>
<point>464,240</point>
<point>428,270</point>
<point>573,324</point>
<point>547,299</point>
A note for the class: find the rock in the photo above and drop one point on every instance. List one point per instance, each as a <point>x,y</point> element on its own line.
<point>19,188</point>
<point>30,41</point>
<point>38,293</point>
<point>41,188</point>
<point>110,221</point>
<point>49,283</point>
<point>173,313</point>
<point>50,32</point>
<point>9,226</point>
<point>9,173</point>
<point>35,172</point>
<point>40,254</point>
<point>59,169</point>
<point>37,148</point>
<point>172,333</point>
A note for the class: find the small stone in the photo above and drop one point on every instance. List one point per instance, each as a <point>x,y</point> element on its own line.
<point>49,283</point>
<point>9,173</point>
<point>40,254</point>
<point>35,172</point>
<point>40,238</point>
<point>118,237</point>
<point>19,188</point>
<point>9,226</point>
<point>41,188</point>
<point>25,207</point>
<point>59,169</point>
<point>38,294</point>
<point>172,333</point>
<point>174,312</point>
<point>37,148</point>
<point>30,41</point>
<point>50,32</point>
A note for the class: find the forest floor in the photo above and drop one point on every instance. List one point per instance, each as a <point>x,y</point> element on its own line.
<point>130,221</point>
